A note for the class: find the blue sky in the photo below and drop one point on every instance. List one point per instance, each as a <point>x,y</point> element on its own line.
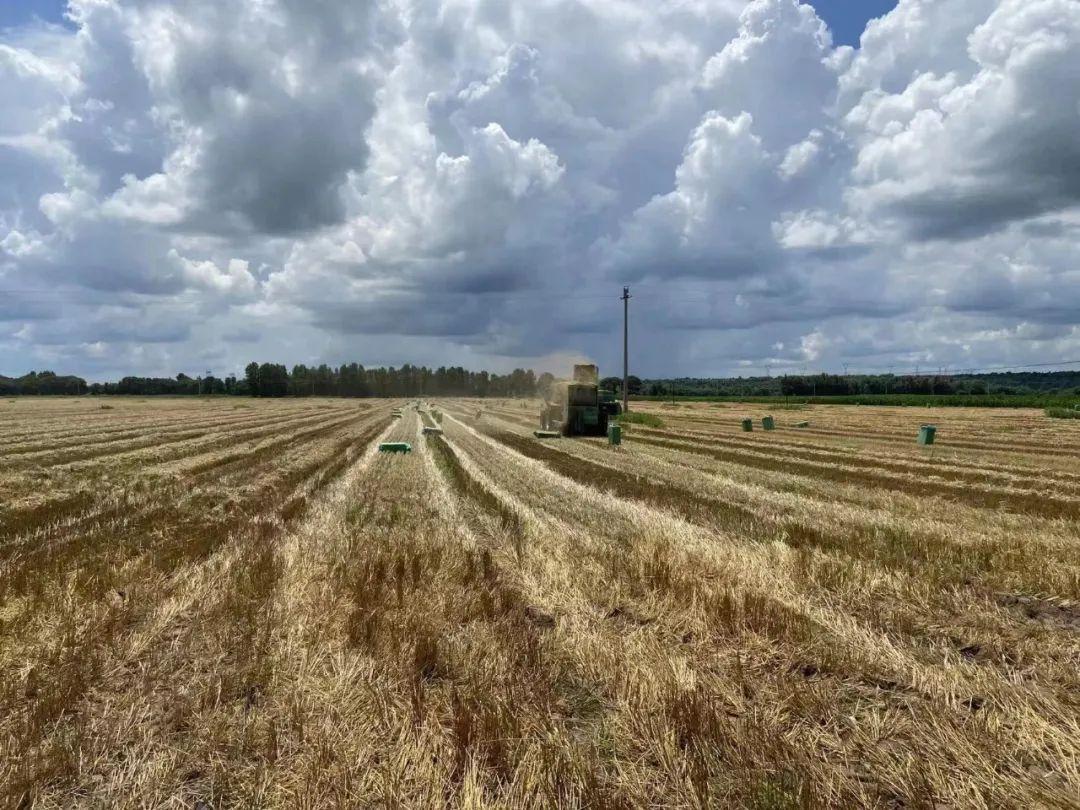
<point>18,12</point>
<point>846,18</point>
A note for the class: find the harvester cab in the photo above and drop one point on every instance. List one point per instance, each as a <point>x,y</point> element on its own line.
<point>609,403</point>
<point>574,407</point>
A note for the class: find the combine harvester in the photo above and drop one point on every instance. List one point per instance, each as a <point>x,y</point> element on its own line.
<point>577,407</point>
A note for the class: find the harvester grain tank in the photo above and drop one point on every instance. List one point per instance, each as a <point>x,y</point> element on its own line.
<point>576,407</point>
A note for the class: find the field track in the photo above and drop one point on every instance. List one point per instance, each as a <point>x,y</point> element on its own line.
<point>230,602</point>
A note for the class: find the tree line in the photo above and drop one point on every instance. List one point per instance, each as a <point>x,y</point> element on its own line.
<point>42,382</point>
<point>347,380</point>
<point>827,385</point>
<point>354,380</point>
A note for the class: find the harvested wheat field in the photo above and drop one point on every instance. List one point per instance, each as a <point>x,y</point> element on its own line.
<point>224,602</point>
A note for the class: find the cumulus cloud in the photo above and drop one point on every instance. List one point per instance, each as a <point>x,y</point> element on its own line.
<point>196,182</point>
<point>964,152</point>
<point>712,223</point>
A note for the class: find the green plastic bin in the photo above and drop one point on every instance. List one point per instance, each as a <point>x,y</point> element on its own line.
<point>767,423</point>
<point>614,434</point>
<point>927,433</point>
<point>747,425</point>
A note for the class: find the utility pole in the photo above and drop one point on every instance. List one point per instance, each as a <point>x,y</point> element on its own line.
<point>625,348</point>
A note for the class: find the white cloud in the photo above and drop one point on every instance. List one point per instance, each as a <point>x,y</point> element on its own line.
<point>991,142</point>
<point>234,280</point>
<point>819,230</point>
<point>801,156</point>
<point>711,224</point>
<point>465,181</point>
<point>19,245</point>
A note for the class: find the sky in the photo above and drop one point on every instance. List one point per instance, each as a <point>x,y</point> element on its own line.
<point>191,185</point>
<point>21,12</point>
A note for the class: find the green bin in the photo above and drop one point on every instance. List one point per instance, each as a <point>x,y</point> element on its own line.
<point>748,425</point>
<point>926,434</point>
<point>614,434</point>
<point>767,423</point>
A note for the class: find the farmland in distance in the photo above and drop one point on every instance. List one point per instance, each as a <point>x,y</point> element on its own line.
<point>221,602</point>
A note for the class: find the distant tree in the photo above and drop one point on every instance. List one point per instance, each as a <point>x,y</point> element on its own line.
<point>273,380</point>
<point>796,386</point>
<point>44,382</point>
<point>212,385</point>
<point>633,385</point>
<point>353,380</point>
<point>251,377</point>
<point>301,381</point>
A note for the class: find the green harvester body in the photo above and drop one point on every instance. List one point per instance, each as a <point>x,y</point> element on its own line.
<point>575,407</point>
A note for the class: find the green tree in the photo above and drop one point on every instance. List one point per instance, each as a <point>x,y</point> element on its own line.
<point>251,376</point>
<point>273,380</point>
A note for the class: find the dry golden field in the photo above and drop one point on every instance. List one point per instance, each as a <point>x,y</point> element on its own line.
<point>219,603</point>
